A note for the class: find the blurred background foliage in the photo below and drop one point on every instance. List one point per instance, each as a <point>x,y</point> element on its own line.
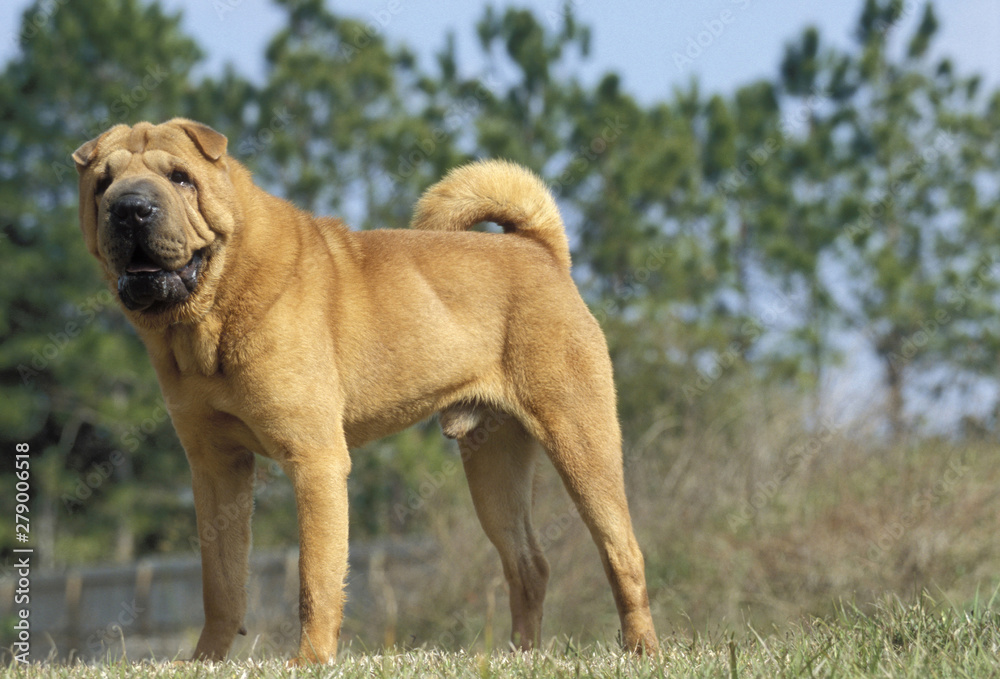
<point>739,250</point>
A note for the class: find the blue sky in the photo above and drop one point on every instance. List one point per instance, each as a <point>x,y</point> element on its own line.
<point>644,41</point>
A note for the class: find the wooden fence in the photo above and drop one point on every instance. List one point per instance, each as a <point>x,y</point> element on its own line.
<point>153,608</point>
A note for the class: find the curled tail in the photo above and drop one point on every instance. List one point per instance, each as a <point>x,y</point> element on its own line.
<point>494,191</point>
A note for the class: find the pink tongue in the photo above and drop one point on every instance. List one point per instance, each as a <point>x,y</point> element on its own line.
<point>143,268</point>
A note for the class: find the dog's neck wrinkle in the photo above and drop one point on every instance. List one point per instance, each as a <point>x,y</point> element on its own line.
<point>246,298</point>
<point>262,253</point>
<point>202,348</point>
<point>186,349</point>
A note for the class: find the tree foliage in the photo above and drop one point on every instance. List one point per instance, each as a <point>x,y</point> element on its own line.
<point>719,239</point>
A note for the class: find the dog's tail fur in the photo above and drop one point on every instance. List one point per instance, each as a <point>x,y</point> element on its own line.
<point>494,191</point>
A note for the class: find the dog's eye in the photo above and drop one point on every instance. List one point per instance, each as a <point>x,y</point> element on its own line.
<point>180,177</point>
<point>102,184</point>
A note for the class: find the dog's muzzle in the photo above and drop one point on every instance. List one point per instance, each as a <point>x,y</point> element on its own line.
<point>141,288</point>
<point>146,281</point>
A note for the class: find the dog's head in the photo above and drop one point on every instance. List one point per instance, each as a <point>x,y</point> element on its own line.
<point>156,206</point>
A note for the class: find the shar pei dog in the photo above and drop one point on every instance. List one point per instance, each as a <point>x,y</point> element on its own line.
<point>278,333</point>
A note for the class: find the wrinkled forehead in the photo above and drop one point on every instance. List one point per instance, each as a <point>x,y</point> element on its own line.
<point>143,137</point>
<point>144,146</point>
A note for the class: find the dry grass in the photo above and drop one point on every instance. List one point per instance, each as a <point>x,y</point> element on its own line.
<point>747,521</point>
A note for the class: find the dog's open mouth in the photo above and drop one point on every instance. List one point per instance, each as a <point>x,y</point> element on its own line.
<point>144,286</point>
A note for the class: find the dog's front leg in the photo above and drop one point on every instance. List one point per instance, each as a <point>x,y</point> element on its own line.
<point>223,498</point>
<point>320,482</point>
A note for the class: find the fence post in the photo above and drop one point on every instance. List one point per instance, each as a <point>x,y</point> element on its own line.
<point>143,605</point>
<point>74,591</point>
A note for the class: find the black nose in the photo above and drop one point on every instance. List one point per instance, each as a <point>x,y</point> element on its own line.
<point>133,209</point>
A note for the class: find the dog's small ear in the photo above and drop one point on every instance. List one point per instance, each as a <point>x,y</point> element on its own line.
<point>211,143</point>
<point>85,154</point>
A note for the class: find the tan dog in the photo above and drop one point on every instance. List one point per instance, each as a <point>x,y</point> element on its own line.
<point>279,333</point>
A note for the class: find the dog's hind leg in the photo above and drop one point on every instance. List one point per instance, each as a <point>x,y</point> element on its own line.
<point>582,438</point>
<point>499,458</point>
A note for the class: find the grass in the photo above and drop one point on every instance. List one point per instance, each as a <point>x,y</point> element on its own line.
<point>920,639</point>
<point>752,527</point>
<point>763,526</point>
